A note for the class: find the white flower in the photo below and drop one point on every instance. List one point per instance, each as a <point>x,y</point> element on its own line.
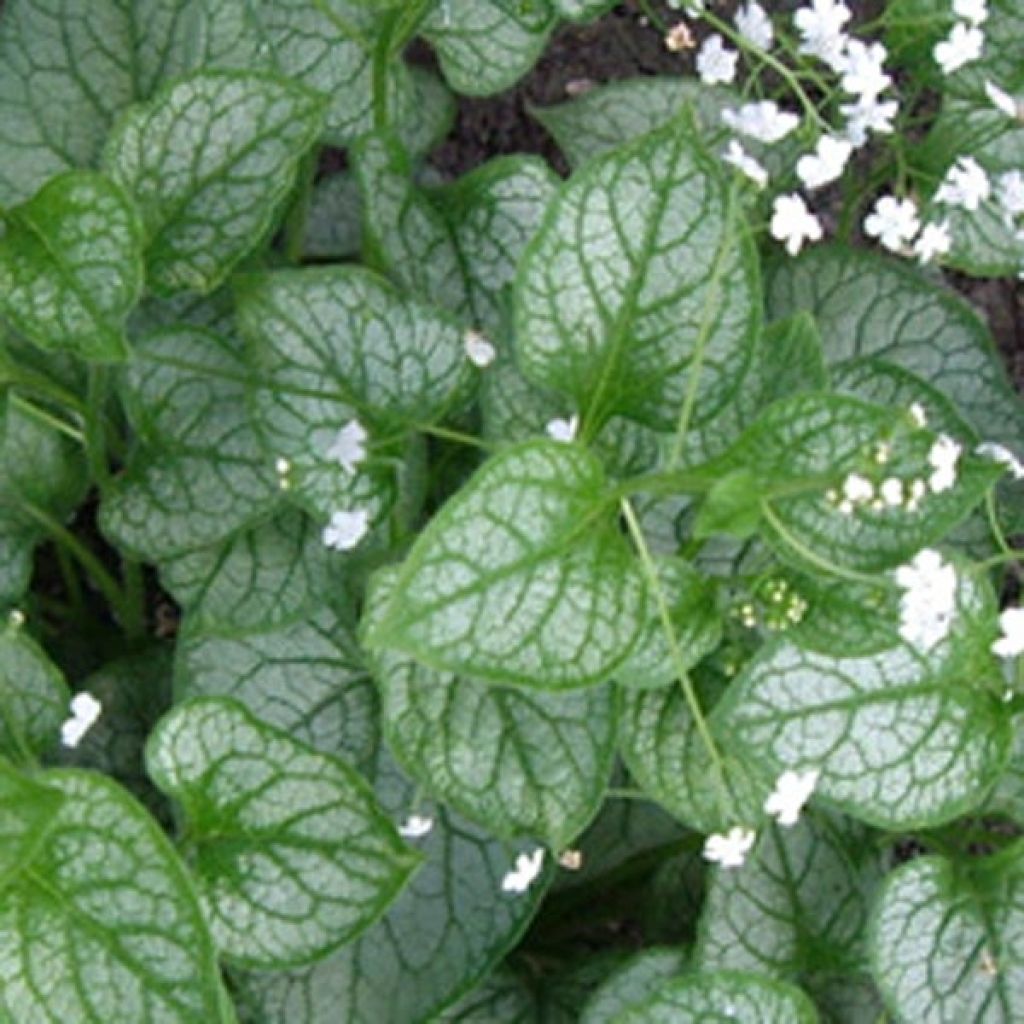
<point>929,600</point>
<point>943,458</point>
<point>716,64</point>
<point>571,860</point>
<point>915,494</point>
<point>1000,453</point>
<point>348,449</point>
<point>346,529</point>
<point>761,120</point>
<point>755,26</point>
<point>479,351</point>
<point>966,184</point>
<point>793,223</point>
<point>730,850</point>
<point>917,415</point>
<point>85,709</point>
<point>736,155</point>
<point>792,791</point>
<point>974,11</point>
<point>892,491</point>
<point>415,827</point>
<point>821,26</point>
<point>963,45</point>
<point>528,867</point>
<point>858,489</point>
<point>1011,643</point>
<point>826,163</point>
<point>862,69</point>
<point>1002,100</point>
<point>679,38</point>
<point>1010,192</point>
<point>868,114</point>
<point>934,240</point>
<point>563,430</point>
<point>893,222</point>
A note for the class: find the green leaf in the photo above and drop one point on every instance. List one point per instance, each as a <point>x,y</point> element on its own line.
<point>334,229</point>
<point>792,359</point>
<point>66,71</point>
<point>293,855</point>
<point>15,561</point>
<point>306,679</point>
<point>732,506</point>
<point>199,473</point>
<point>582,10</point>
<point>799,908</point>
<point>869,305</point>
<point>485,46</point>
<point>523,577</point>
<point>71,266</point>
<point>723,996</point>
<point>108,907</point>
<point>946,939</point>
<point>649,243</point>
<point>263,578</point>
<point>333,344</point>
<point>902,739</point>
<point>800,450</point>
<point>502,996</point>
<point>698,628</point>
<point>27,813</point>
<point>210,160</point>
<point>449,927</point>
<point>633,984</point>
<point>516,762</point>
<point>604,118</point>
<point>33,696</point>
<point>665,754</point>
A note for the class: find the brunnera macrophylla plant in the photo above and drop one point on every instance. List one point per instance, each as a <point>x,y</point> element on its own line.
<point>404,578</point>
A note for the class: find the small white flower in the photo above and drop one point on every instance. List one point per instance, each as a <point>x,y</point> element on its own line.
<point>754,25</point>
<point>346,529</point>
<point>571,860</point>
<point>736,155</point>
<point>479,351</point>
<point>1000,453</point>
<point>943,458</point>
<point>16,618</point>
<point>1002,100</point>
<point>679,38</point>
<point>963,45</point>
<point>1010,192</point>
<point>915,494</point>
<point>730,850</point>
<point>892,491</point>
<point>934,240</point>
<point>348,449</point>
<point>826,163</point>
<point>821,26</point>
<point>85,709</point>
<point>716,63</point>
<point>563,430</point>
<point>894,222</point>
<point>868,114</point>
<point>966,184</point>
<point>917,415</point>
<point>793,223</point>
<point>762,120</point>
<point>1011,643</point>
<point>528,867</point>
<point>282,466</point>
<point>858,489</point>
<point>415,827</point>
<point>928,603</point>
<point>974,11</point>
<point>792,791</point>
<point>862,69</point>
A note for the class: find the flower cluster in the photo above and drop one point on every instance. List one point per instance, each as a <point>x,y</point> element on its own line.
<point>928,602</point>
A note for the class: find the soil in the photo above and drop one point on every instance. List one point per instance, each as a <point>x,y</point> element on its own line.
<point>623,44</point>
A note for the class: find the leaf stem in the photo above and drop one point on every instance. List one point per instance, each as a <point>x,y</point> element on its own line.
<point>814,558</point>
<point>96,427</point>
<point>382,54</point>
<point>134,599</point>
<point>993,521</point>
<point>33,410</point>
<point>298,215</point>
<point>725,804</point>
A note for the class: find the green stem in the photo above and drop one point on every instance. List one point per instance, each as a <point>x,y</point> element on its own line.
<point>382,55</point>
<point>298,215</point>
<point>815,559</point>
<point>98,573</point>
<point>72,584</point>
<point>678,662</point>
<point>997,560</point>
<point>134,598</point>
<point>65,428</point>
<point>446,434</point>
<point>993,521</point>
